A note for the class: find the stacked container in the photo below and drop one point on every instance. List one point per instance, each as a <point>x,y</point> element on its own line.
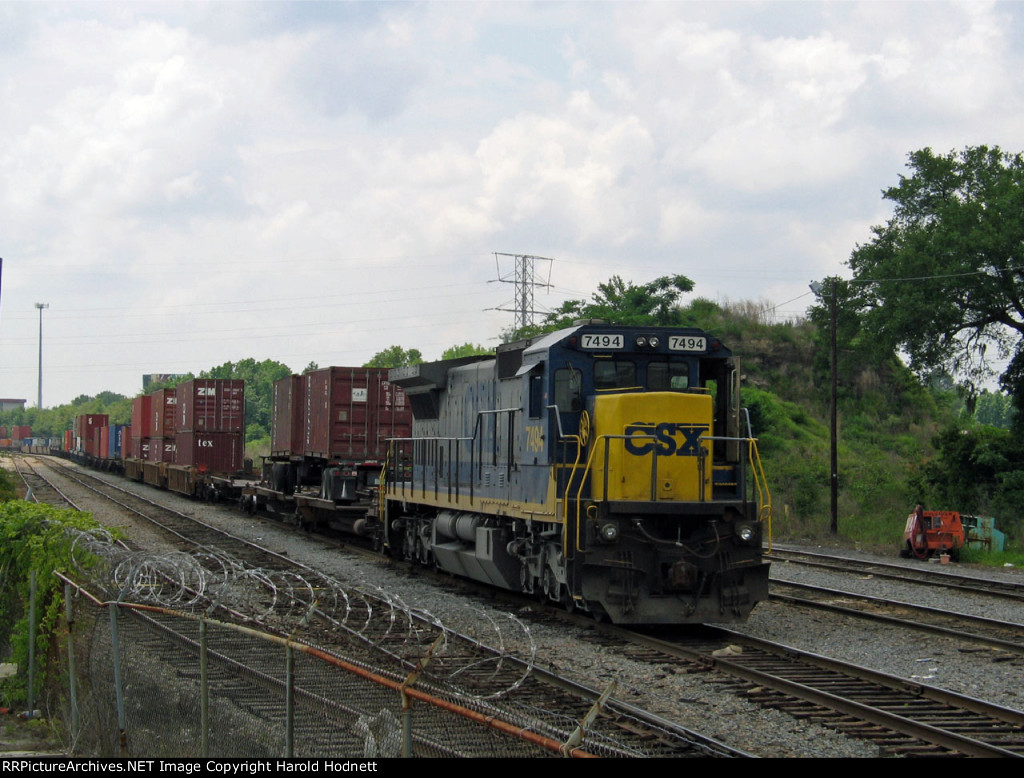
<point>211,425</point>
<point>163,407</point>
<point>350,414</point>
<point>287,423</point>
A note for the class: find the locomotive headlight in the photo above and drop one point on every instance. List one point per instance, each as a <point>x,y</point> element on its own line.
<point>746,533</point>
<point>653,341</point>
<point>609,532</point>
<point>641,341</point>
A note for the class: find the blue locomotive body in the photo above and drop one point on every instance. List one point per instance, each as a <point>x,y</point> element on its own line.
<point>600,466</point>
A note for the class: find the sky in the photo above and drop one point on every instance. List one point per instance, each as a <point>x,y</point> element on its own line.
<point>190,183</point>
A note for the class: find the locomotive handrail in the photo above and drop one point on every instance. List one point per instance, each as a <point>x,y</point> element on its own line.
<point>760,481</point>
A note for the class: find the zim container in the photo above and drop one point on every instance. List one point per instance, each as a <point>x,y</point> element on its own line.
<point>351,412</point>
<point>211,405</point>
<point>216,453</point>
<point>163,407</point>
<point>289,410</point>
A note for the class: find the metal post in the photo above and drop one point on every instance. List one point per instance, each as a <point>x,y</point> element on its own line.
<point>204,694</point>
<point>122,733</point>
<point>834,434</point>
<point>41,307</point>
<point>31,642</point>
<point>69,617</point>
<point>289,703</point>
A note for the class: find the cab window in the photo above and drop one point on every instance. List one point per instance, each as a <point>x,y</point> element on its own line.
<point>568,390</point>
<point>614,374</point>
<point>668,376</point>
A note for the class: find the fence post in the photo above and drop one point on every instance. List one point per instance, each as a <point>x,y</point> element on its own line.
<point>122,733</point>
<point>204,694</point>
<point>69,618</point>
<point>31,642</point>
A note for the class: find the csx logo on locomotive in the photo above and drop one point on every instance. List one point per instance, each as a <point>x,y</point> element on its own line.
<point>665,439</point>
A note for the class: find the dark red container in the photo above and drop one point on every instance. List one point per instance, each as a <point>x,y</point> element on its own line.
<point>103,442</point>
<point>21,431</point>
<point>69,440</point>
<point>142,421</point>
<point>161,450</point>
<point>86,423</point>
<point>216,453</point>
<point>351,413</point>
<point>163,409</point>
<point>287,427</point>
<point>211,405</point>
<point>128,444</point>
<point>3,432</point>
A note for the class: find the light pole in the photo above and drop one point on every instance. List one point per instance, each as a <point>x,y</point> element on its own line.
<point>41,306</point>
<point>833,526</point>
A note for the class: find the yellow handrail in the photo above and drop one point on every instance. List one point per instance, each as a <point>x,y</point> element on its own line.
<point>764,496</point>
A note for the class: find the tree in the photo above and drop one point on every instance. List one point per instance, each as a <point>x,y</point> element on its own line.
<point>395,356</point>
<point>465,350</point>
<point>655,303</point>
<point>259,380</point>
<point>942,280</point>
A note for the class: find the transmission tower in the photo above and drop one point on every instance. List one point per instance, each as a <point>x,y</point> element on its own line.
<point>525,279</point>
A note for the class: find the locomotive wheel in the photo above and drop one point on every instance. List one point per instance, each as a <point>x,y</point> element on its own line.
<point>567,600</point>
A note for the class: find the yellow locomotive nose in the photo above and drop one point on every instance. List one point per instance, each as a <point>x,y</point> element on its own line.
<point>649,447</point>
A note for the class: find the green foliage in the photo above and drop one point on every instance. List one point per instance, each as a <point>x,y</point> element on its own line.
<point>465,350</point>
<point>395,356</point>
<point>7,490</point>
<point>942,280</point>
<point>33,540</point>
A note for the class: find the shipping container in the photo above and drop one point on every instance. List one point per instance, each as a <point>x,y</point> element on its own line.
<point>3,433</point>
<point>214,453</point>
<point>163,410</point>
<point>351,412</point>
<point>142,421</point>
<point>161,450</point>
<point>287,424</point>
<point>21,431</point>
<point>211,405</point>
<point>69,440</point>
<point>86,423</point>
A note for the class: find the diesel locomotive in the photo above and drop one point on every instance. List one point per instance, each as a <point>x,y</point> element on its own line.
<point>605,467</point>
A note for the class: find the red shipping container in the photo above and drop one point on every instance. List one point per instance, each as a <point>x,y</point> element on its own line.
<point>142,422</point>
<point>103,443</point>
<point>21,431</point>
<point>287,427</point>
<point>128,444</point>
<point>216,453</point>
<point>87,422</point>
<point>161,450</point>
<point>211,405</point>
<point>163,410</point>
<point>351,412</point>
<point>3,432</point>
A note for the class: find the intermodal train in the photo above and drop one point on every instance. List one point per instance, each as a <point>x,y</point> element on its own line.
<point>607,468</point>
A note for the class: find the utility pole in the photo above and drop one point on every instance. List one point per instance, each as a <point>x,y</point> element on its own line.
<point>41,307</point>
<point>819,290</point>
<point>524,278</point>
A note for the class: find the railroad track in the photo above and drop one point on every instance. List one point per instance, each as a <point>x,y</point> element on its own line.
<point>965,628</point>
<point>901,717</point>
<point>929,575</point>
<point>504,686</point>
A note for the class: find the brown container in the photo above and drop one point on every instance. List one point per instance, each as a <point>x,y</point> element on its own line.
<point>163,410</point>
<point>351,412</point>
<point>211,405</point>
<point>216,453</point>
<point>142,421</point>
<point>21,431</point>
<point>86,423</point>
<point>161,450</point>
<point>287,426</point>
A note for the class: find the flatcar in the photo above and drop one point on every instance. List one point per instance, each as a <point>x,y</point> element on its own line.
<point>604,467</point>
